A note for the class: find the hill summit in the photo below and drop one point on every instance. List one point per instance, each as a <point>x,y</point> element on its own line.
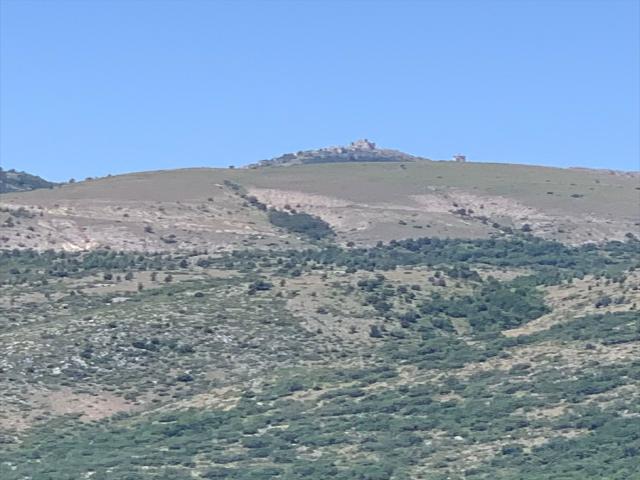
<point>362,150</point>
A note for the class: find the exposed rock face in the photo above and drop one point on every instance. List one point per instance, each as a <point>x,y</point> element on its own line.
<point>361,150</point>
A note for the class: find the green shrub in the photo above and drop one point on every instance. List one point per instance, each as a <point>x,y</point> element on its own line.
<point>301,223</point>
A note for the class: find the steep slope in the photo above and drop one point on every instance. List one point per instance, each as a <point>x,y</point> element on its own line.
<point>362,202</point>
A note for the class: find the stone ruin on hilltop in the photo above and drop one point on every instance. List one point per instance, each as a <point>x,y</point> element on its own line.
<point>362,150</point>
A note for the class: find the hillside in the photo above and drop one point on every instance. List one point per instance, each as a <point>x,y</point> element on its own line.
<point>362,202</point>
<point>14,181</point>
<point>347,320</point>
<point>439,359</point>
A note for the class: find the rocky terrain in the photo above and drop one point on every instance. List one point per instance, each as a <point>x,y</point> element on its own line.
<point>361,150</point>
<point>373,320</point>
<point>362,202</point>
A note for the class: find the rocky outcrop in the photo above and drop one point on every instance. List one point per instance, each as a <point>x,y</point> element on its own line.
<point>361,150</point>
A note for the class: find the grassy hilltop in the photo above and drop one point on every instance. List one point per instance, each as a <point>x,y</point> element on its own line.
<point>362,202</point>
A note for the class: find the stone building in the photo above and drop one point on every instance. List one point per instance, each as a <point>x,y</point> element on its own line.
<point>362,144</point>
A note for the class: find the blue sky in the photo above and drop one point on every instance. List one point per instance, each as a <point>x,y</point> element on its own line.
<point>96,87</point>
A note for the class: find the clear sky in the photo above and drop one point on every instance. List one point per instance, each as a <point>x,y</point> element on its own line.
<point>110,86</point>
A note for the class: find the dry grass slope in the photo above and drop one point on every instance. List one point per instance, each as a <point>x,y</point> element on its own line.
<point>363,202</point>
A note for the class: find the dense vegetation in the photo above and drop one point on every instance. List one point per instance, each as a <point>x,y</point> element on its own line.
<point>432,389</point>
<point>301,223</point>
<point>547,257</point>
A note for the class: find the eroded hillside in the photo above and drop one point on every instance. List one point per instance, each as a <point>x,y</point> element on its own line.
<point>362,202</point>
<point>356,321</point>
